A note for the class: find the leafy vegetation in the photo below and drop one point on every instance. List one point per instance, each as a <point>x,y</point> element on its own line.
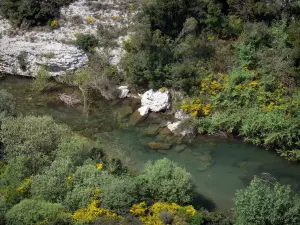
<point>236,62</point>
<point>267,202</point>
<point>26,13</point>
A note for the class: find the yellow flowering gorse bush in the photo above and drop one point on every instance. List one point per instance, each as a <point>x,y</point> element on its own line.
<point>92,212</point>
<point>151,215</point>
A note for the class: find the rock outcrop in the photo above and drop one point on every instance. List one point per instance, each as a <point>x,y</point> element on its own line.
<point>154,101</point>
<point>124,92</point>
<point>182,129</point>
<point>22,53</point>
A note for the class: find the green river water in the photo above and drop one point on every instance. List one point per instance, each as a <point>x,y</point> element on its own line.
<point>233,163</point>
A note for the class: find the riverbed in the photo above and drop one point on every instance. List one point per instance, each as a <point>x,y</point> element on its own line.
<point>218,166</point>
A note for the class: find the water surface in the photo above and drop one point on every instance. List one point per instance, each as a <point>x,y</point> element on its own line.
<point>233,163</point>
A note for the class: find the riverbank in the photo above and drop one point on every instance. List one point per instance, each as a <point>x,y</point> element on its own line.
<point>218,166</point>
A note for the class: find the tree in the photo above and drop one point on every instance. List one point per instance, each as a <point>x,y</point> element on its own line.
<point>6,104</point>
<point>53,184</point>
<point>30,211</point>
<point>163,180</point>
<point>266,202</point>
<point>35,138</point>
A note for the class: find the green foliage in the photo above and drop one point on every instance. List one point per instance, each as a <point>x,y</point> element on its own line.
<point>73,148</point>
<point>119,193</point>
<point>29,212</point>
<point>27,13</point>
<point>52,185</point>
<point>22,60</point>
<point>163,180</point>
<point>42,79</point>
<point>265,202</point>
<point>6,104</point>
<point>87,42</point>
<point>35,138</point>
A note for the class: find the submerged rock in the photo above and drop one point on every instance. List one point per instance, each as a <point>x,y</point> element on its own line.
<point>152,129</point>
<point>180,148</point>
<point>156,101</point>
<point>136,118</point>
<point>159,145</point>
<point>123,112</point>
<point>203,166</point>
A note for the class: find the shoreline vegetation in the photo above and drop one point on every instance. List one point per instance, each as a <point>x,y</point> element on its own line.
<point>233,66</point>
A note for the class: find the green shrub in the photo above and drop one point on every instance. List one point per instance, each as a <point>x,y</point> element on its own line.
<point>73,148</point>
<point>35,138</point>
<point>87,42</point>
<point>163,180</point>
<point>29,212</point>
<point>31,12</point>
<point>6,104</point>
<point>119,193</point>
<point>53,185</point>
<point>42,79</point>
<point>265,202</point>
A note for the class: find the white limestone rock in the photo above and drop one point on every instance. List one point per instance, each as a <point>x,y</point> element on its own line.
<point>156,101</point>
<point>177,129</point>
<point>144,110</point>
<point>53,48</point>
<point>57,57</point>
<point>124,91</point>
<point>181,115</point>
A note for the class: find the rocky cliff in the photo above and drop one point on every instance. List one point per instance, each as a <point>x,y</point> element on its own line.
<point>24,52</point>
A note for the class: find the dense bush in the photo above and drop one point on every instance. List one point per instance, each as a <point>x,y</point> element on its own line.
<point>35,138</point>
<point>87,42</point>
<point>165,181</point>
<point>53,184</point>
<point>119,193</point>
<point>31,12</point>
<point>265,202</point>
<point>42,79</point>
<point>29,212</point>
<point>6,104</point>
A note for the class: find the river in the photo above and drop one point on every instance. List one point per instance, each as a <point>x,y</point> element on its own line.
<point>232,163</point>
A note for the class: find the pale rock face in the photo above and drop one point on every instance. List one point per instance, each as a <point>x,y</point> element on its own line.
<point>57,57</point>
<point>144,110</point>
<point>124,91</point>
<point>52,48</point>
<point>177,130</point>
<point>156,101</point>
<point>181,115</point>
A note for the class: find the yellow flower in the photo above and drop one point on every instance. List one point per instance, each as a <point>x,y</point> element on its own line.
<point>99,166</point>
<point>90,19</point>
<point>54,23</point>
<point>254,84</point>
<point>69,180</point>
<point>20,189</point>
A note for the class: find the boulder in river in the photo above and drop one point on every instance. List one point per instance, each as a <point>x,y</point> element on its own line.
<point>159,145</point>
<point>152,129</point>
<point>179,128</point>
<point>136,118</point>
<point>144,110</point>
<point>156,101</point>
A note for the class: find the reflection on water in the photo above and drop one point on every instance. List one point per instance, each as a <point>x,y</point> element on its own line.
<point>218,166</point>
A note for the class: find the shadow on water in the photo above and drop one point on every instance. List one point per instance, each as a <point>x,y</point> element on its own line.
<point>200,201</point>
